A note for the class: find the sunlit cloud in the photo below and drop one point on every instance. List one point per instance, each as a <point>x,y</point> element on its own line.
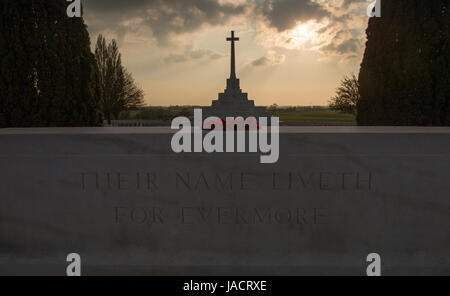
<point>272,58</point>
<point>289,24</point>
<point>191,53</point>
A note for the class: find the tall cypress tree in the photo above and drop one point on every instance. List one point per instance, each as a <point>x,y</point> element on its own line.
<point>18,94</point>
<point>47,67</point>
<point>404,77</point>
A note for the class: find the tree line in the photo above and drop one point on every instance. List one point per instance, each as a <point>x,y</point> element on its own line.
<point>48,74</point>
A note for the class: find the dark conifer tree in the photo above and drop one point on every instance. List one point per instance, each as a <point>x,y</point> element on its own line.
<point>404,77</point>
<point>47,67</point>
<point>18,92</point>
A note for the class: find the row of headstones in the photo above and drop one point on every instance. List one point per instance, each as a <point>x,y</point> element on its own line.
<point>154,123</point>
<point>136,123</point>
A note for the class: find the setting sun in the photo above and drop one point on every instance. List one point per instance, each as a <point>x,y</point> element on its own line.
<point>303,34</point>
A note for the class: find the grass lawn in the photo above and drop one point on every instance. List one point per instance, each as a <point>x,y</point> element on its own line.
<point>313,115</point>
<point>305,114</point>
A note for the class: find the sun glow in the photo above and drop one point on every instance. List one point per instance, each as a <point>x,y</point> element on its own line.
<point>306,35</point>
<point>303,34</point>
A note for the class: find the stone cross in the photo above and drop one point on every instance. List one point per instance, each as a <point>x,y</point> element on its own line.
<point>233,63</point>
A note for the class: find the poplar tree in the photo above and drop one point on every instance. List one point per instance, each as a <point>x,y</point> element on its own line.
<point>116,86</point>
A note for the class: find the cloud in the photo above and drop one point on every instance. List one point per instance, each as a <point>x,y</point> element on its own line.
<point>274,22</point>
<point>345,47</point>
<point>191,53</point>
<point>285,14</point>
<point>344,44</point>
<point>262,61</point>
<point>165,17</point>
<point>168,18</point>
<point>270,59</point>
<point>314,25</point>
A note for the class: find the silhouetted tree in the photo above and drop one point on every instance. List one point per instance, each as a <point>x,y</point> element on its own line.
<point>18,92</point>
<point>404,77</point>
<point>47,68</point>
<point>116,87</point>
<point>347,96</point>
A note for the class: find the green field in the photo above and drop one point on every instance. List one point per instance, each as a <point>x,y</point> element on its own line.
<point>313,115</point>
<point>306,114</point>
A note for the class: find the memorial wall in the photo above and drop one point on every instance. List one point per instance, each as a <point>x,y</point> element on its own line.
<point>124,201</point>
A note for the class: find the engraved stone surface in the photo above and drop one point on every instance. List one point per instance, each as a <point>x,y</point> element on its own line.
<point>128,205</point>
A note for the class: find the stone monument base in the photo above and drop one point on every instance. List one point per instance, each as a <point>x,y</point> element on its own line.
<point>223,113</point>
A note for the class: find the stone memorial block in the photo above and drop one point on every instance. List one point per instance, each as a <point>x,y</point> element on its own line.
<point>127,204</point>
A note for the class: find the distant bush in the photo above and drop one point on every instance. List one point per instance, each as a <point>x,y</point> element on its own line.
<point>347,96</point>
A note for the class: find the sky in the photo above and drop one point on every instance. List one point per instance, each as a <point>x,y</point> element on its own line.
<point>290,53</point>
